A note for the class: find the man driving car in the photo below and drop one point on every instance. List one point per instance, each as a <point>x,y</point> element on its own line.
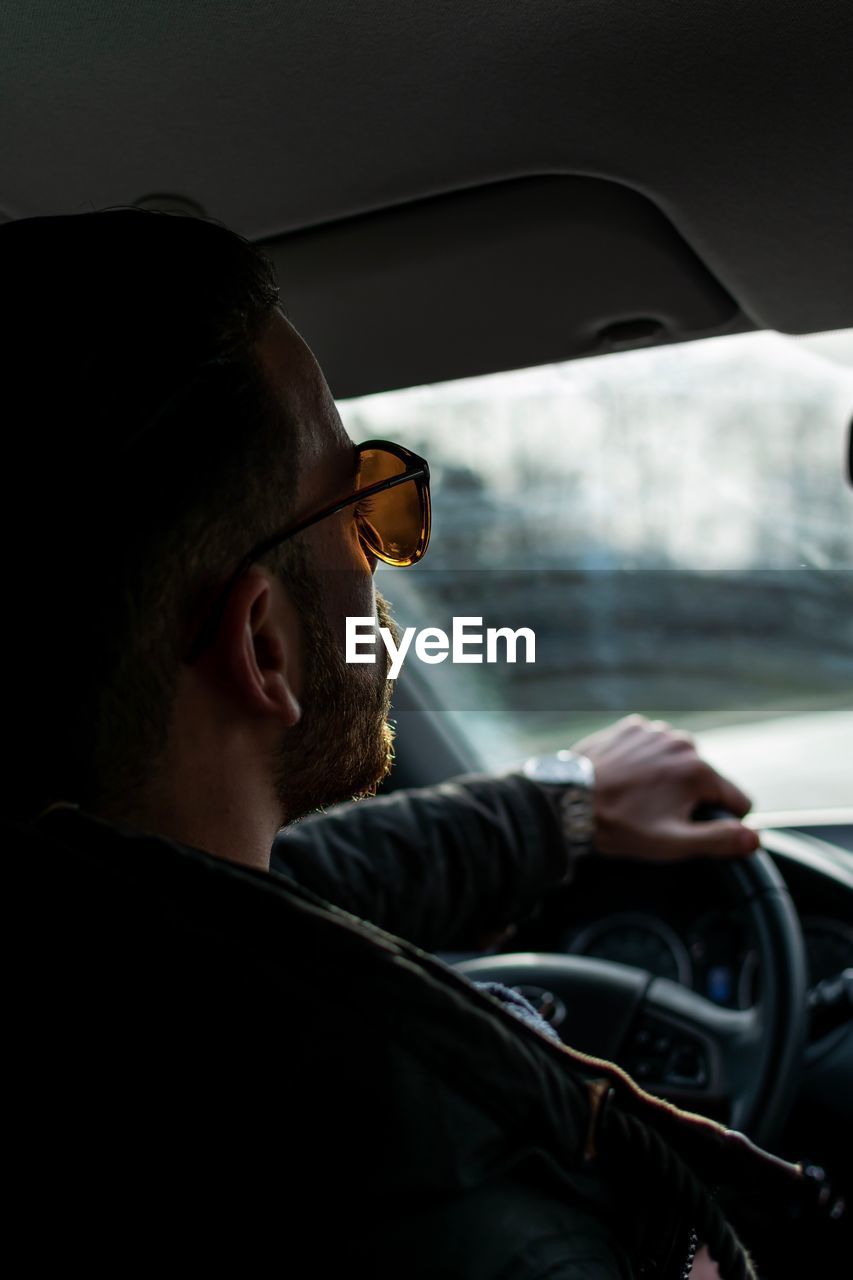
<point>199,528</point>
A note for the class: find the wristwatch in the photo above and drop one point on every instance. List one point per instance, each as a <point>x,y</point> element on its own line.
<point>568,779</point>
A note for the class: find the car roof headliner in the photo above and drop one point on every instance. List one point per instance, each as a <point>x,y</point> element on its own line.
<point>637,173</point>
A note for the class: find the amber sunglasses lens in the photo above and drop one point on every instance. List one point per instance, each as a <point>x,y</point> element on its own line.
<point>395,522</point>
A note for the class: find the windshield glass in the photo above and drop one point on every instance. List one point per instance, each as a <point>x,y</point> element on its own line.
<point>674,526</point>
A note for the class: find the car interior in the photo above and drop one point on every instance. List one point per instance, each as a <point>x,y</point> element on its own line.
<point>460,200</point>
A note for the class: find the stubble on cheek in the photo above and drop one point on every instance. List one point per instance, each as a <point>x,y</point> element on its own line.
<point>383,613</point>
<point>343,747</point>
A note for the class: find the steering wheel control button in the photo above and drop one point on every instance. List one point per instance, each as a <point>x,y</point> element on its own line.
<point>685,1067</point>
<point>663,1055</point>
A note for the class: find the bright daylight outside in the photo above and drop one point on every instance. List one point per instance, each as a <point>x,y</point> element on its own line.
<point>676,527</point>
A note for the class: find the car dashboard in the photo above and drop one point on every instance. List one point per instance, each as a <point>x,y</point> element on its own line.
<point>678,922</point>
<point>681,921</point>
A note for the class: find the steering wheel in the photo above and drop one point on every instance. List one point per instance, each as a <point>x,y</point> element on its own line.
<point>741,1066</point>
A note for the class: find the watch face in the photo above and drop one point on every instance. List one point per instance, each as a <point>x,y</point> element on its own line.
<point>563,769</point>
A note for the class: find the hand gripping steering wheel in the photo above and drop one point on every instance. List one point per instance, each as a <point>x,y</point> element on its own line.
<point>742,1066</point>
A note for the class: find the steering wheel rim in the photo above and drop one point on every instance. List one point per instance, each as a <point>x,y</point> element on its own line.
<point>747,1062</point>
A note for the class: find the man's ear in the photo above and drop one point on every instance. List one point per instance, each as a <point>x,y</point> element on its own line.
<point>258,649</point>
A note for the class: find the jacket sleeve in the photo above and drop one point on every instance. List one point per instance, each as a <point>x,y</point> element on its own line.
<point>441,866</point>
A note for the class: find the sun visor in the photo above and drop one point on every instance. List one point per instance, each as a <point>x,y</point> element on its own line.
<point>519,273</point>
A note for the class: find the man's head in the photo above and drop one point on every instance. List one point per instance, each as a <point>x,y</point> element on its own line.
<point>166,418</point>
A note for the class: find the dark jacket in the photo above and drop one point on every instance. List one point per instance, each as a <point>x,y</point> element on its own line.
<point>218,1061</point>
<point>440,866</point>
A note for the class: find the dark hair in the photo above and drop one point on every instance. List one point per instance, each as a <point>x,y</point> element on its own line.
<point>145,453</point>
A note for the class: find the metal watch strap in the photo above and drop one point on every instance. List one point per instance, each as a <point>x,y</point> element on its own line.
<point>567,779</point>
<point>575,805</point>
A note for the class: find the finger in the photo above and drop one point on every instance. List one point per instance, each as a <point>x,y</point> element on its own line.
<point>730,797</point>
<point>720,838</point>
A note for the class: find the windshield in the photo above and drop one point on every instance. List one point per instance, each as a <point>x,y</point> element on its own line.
<point>675,528</point>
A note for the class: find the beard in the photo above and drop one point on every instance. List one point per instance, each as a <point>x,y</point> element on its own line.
<point>342,748</point>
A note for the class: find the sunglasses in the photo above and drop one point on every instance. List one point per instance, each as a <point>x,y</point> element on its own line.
<point>392,511</point>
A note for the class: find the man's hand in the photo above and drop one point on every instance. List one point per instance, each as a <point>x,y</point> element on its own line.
<point>649,779</point>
